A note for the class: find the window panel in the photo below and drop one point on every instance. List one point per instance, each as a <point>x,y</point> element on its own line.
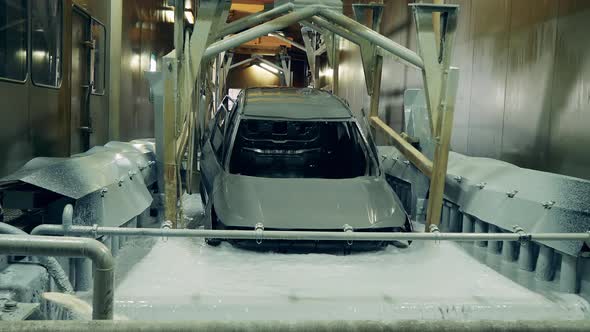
<point>99,37</point>
<point>46,42</point>
<point>218,134</point>
<point>13,39</point>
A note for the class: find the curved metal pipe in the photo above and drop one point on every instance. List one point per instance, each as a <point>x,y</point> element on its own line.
<point>306,235</point>
<point>408,56</point>
<point>103,289</point>
<point>261,30</point>
<point>254,19</point>
<point>52,266</point>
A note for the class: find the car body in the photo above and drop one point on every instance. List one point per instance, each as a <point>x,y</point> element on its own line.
<point>294,159</point>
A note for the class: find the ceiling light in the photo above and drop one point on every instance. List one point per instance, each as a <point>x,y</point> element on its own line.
<point>189,17</point>
<point>268,67</point>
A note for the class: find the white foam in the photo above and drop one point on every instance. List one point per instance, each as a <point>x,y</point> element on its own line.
<point>186,279</point>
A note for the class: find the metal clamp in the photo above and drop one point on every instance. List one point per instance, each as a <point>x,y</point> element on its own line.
<point>434,230</point>
<point>166,226</point>
<point>348,230</point>
<point>523,237</point>
<point>95,231</point>
<point>259,229</point>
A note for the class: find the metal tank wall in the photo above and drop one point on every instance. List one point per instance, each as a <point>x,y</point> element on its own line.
<point>524,93</point>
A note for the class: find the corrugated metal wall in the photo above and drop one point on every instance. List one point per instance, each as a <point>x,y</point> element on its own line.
<point>525,82</point>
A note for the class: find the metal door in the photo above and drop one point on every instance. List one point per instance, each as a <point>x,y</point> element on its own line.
<point>81,82</point>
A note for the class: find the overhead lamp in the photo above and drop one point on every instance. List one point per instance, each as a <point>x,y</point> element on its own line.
<point>189,16</point>
<point>268,67</point>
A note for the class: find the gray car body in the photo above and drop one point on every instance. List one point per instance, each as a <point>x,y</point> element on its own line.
<point>238,201</point>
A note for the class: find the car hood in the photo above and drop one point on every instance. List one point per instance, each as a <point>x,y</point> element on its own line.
<point>363,203</point>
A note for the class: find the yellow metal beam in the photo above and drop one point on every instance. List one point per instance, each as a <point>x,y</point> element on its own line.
<point>414,156</point>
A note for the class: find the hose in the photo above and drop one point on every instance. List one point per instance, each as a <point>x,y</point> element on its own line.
<point>53,267</point>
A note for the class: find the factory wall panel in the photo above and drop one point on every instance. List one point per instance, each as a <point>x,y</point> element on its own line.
<point>569,136</point>
<point>523,92</point>
<point>144,36</point>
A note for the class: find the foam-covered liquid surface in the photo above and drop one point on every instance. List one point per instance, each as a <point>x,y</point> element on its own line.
<point>184,279</point>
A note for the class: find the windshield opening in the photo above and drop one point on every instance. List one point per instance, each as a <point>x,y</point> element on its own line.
<point>299,149</point>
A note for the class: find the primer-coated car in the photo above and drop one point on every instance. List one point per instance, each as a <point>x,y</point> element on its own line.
<point>294,159</point>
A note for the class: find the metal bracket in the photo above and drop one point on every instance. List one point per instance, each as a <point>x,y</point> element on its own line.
<point>437,59</point>
<point>310,40</point>
<point>259,229</point>
<point>369,51</point>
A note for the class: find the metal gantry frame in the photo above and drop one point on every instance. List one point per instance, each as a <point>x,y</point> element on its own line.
<point>213,36</point>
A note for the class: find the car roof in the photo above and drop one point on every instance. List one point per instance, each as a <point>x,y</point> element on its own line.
<point>294,103</point>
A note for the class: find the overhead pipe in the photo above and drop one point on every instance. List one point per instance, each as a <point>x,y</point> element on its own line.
<point>254,19</point>
<point>408,56</point>
<point>261,30</point>
<point>306,235</point>
<point>103,288</point>
<point>287,40</point>
<point>342,32</point>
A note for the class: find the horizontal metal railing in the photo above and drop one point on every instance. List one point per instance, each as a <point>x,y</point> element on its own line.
<point>261,234</point>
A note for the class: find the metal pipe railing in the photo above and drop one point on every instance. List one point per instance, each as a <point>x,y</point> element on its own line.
<point>103,289</point>
<point>326,326</point>
<point>260,234</point>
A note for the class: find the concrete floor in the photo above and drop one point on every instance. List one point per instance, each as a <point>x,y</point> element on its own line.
<point>182,279</point>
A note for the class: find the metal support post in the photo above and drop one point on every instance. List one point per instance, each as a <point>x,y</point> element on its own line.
<point>526,260</point>
<point>310,40</point>
<point>442,144</point>
<point>568,274</point>
<point>372,59</point>
<point>509,251</point>
<point>286,68</point>
<point>480,228</point>
<point>436,59</point>
<point>545,267</point>
<point>467,226</point>
<point>168,145</point>
<point>494,247</point>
